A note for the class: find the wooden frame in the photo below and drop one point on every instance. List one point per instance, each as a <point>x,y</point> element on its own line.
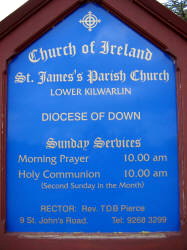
<point>162,28</point>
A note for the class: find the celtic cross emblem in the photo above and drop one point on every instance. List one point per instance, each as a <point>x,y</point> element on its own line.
<point>89,21</point>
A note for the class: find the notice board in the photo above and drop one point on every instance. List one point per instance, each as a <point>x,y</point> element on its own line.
<point>93,132</point>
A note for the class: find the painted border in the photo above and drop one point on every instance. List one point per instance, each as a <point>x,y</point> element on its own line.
<point>163,29</point>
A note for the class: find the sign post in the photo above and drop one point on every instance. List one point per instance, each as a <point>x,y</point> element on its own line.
<point>93,139</point>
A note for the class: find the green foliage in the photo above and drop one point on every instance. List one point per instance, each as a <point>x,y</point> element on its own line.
<point>179,7</point>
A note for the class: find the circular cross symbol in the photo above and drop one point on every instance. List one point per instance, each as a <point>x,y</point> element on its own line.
<point>90,21</point>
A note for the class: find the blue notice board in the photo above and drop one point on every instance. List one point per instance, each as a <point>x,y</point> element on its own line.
<point>92,131</point>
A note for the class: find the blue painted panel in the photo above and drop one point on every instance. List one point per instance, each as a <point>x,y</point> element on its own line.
<point>92,131</point>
